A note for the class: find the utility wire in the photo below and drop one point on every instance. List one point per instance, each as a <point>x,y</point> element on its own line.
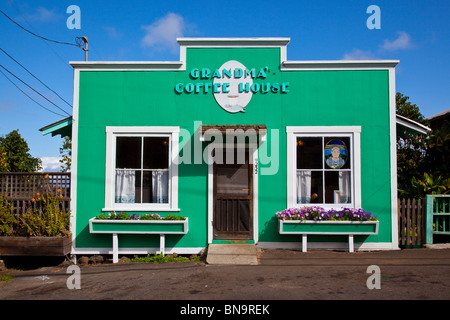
<point>34,89</point>
<point>46,43</point>
<point>35,77</point>
<point>29,96</point>
<point>36,35</point>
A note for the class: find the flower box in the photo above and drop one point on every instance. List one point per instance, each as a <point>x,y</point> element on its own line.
<point>116,227</point>
<point>328,227</point>
<point>35,246</point>
<point>138,226</point>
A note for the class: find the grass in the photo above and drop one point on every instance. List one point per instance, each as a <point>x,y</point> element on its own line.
<point>5,278</point>
<point>160,258</point>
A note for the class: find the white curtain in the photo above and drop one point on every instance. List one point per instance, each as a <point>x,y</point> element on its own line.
<point>303,186</point>
<point>125,186</point>
<point>160,183</point>
<point>344,187</point>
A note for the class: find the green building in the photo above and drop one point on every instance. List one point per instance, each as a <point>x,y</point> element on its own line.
<point>228,136</point>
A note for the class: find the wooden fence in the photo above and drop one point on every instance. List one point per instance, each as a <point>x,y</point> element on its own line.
<point>23,189</point>
<point>411,222</point>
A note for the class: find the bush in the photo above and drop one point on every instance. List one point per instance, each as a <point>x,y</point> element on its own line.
<point>7,220</point>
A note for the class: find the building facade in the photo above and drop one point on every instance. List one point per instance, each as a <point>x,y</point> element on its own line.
<point>228,136</point>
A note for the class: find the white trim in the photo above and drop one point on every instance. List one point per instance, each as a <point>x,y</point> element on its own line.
<point>413,125</point>
<point>393,149</point>
<point>132,251</point>
<point>294,131</point>
<point>365,246</point>
<point>111,133</point>
<point>338,65</point>
<point>129,65</point>
<point>234,42</point>
<point>74,163</point>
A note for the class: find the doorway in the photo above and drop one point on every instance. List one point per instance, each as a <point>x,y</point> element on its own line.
<point>233,195</point>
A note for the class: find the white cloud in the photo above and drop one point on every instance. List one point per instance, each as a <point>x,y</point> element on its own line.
<point>162,33</point>
<point>403,41</point>
<point>357,54</point>
<point>113,33</point>
<point>43,14</point>
<point>51,164</point>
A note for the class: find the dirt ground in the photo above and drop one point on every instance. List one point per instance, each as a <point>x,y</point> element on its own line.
<point>282,275</point>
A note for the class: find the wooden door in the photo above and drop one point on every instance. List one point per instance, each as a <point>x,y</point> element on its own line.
<point>233,201</point>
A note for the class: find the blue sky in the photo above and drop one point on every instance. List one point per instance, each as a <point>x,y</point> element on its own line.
<point>414,32</point>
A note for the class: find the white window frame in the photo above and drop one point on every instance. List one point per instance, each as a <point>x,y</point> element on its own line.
<point>293,132</point>
<point>155,131</point>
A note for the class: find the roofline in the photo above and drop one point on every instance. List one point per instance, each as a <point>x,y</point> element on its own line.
<point>438,115</point>
<point>274,42</point>
<point>413,125</point>
<point>231,42</point>
<point>56,127</point>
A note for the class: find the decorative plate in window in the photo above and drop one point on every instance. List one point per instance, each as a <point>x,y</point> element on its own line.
<point>335,154</point>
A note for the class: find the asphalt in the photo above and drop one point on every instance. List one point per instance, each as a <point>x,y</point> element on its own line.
<point>281,276</point>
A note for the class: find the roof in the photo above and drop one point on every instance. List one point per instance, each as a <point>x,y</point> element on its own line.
<point>411,125</point>
<point>62,127</point>
<point>439,115</point>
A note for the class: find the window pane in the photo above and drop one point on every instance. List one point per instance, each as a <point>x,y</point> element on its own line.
<point>337,153</point>
<point>309,186</point>
<point>128,152</point>
<point>126,191</point>
<point>155,187</point>
<point>338,187</point>
<point>309,153</point>
<point>233,180</point>
<point>156,152</point>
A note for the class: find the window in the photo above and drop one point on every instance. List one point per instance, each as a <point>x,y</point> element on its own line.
<point>141,173</point>
<point>323,166</point>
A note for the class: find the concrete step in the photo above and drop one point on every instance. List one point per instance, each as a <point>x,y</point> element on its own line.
<point>232,254</point>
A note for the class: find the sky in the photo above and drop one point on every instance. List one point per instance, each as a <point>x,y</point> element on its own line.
<point>414,32</point>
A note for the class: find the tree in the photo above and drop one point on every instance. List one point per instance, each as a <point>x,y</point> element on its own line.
<point>14,154</point>
<point>66,153</point>
<point>422,159</point>
<point>411,148</point>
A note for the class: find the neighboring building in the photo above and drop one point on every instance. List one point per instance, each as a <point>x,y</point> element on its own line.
<point>142,137</point>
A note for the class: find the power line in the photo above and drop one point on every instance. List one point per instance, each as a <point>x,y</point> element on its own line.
<point>29,96</point>
<point>35,77</point>
<point>36,35</point>
<point>46,43</point>
<point>34,89</point>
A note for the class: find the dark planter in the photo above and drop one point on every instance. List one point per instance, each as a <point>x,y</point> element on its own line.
<point>35,246</point>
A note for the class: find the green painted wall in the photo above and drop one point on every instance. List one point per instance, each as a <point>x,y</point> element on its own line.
<point>315,98</point>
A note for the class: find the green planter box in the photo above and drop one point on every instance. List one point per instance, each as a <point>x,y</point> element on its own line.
<point>116,227</point>
<point>307,227</point>
<point>328,227</point>
<point>138,226</point>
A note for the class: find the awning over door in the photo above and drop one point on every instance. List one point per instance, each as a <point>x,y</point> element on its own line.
<point>234,129</point>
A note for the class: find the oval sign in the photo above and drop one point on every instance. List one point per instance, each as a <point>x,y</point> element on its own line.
<point>233,101</point>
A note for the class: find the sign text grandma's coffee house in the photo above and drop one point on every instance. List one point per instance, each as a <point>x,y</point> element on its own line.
<point>233,84</point>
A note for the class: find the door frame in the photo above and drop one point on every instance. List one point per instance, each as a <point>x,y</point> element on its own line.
<point>254,186</point>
